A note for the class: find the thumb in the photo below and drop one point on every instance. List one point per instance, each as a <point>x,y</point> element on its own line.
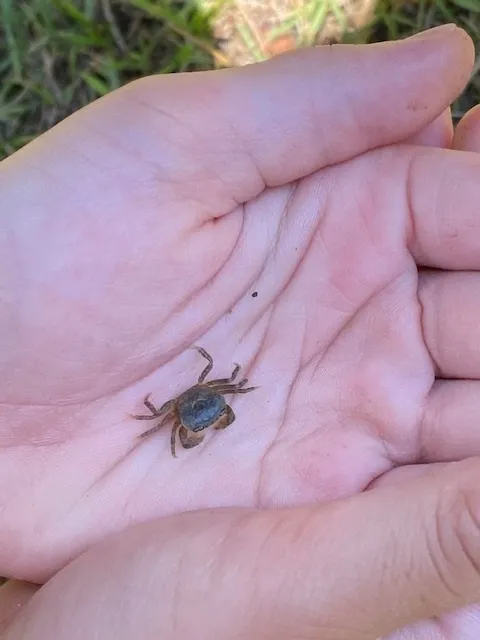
<point>355,569</point>
<point>237,130</point>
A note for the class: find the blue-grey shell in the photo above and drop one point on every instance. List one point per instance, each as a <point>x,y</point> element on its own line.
<point>199,407</point>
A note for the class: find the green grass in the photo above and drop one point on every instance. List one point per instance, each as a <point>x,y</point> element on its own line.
<point>58,55</point>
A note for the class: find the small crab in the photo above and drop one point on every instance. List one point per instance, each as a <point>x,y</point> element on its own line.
<point>197,408</point>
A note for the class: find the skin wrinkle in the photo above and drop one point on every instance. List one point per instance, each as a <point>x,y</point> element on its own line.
<point>270,254</point>
<point>123,459</point>
<point>432,410</point>
<point>436,209</point>
<point>223,552</point>
<point>237,146</point>
<point>159,172</point>
<point>239,140</point>
<point>268,310</point>
<point>413,243</point>
<point>353,316</point>
<point>209,85</point>
<point>301,537</point>
<point>465,510</point>
<point>326,346</point>
<point>58,403</point>
<point>273,249</point>
<point>215,174</point>
<point>134,97</point>
<point>438,551</point>
<point>218,178</point>
<point>357,126</point>
<point>299,261</point>
<point>258,169</point>
<point>182,308</point>
<point>417,445</point>
<point>135,154</point>
<point>260,501</point>
<point>255,192</point>
<point>431,331</point>
<point>425,403</point>
<point>245,289</point>
<point>51,414</point>
<point>261,552</point>
<point>130,499</point>
<point>375,293</point>
<point>317,117</point>
<point>191,299</point>
<point>88,161</point>
<point>176,613</point>
<point>319,360</point>
<point>376,431</point>
<point>257,499</point>
<point>438,418</point>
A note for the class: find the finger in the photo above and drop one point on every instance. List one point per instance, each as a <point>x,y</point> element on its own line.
<point>408,472</point>
<point>351,570</point>
<point>438,133</point>
<point>443,192</point>
<point>13,596</point>
<point>467,132</point>
<point>450,304</point>
<point>449,428</point>
<point>289,138</point>
<point>269,123</point>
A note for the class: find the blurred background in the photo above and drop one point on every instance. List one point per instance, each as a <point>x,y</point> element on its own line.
<point>58,55</point>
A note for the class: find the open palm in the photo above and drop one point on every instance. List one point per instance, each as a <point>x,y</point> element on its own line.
<point>156,220</point>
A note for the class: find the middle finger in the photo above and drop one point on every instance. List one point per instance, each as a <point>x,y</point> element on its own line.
<point>450,303</point>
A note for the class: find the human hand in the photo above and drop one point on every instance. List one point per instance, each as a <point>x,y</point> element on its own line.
<point>335,337</point>
<point>350,569</point>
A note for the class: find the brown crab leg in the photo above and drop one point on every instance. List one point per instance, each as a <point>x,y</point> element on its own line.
<point>226,419</point>
<point>156,428</point>
<point>233,388</point>
<point>156,413</point>
<point>173,436</point>
<point>223,381</point>
<point>209,366</point>
<point>190,439</point>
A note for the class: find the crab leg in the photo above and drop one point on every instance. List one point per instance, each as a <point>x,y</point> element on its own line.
<point>173,437</point>
<point>209,366</point>
<point>156,428</point>
<point>156,413</point>
<point>226,419</point>
<point>233,388</point>
<point>225,383</point>
<point>190,439</point>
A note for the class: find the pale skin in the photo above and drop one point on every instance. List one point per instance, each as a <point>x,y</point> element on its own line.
<point>325,182</point>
